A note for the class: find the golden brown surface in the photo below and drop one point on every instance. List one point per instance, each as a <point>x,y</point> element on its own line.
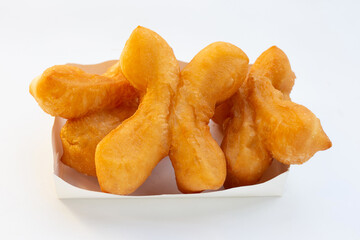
<point>262,122</point>
<point>69,92</point>
<point>213,75</point>
<point>246,156</point>
<point>274,65</point>
<point>125,157</point>
<point>80,136</point>
<point>291,132</point>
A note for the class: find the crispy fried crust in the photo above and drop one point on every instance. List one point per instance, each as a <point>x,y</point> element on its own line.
<point>246,156</point>
<point>291,132</point>
<point>69,92</point>
<point>80,136</point>
<point>213,75</point>
<point>127,155</point>
<point>264,123</point>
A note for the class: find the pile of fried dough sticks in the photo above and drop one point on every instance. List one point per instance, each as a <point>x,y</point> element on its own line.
<point>143,108</point>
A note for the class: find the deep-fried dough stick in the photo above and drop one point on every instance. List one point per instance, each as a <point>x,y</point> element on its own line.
<point>80,136</point>
<point>69,92</point>
<point>125,157</point>
<point>213,75</point>
<point>291,132</point>
<point>248,151</point>
<point>282,79</point>
<point>246,156</point>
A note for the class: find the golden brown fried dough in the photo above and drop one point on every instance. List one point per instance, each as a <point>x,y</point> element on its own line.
<point>251,138</point>
<point>80,136</point>
<point>213,75</point>
<point>246,156</point>
<point>275,65</point>
<point>126,157</point>
<point>69,92</point>
<point>223,110</point>
<point>291,132</point>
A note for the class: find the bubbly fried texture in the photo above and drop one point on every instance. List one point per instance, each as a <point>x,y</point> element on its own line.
<point>274,65</point>
<point>126,157</point>
<point>213,75</point>
<point>246,156</point>
<point>80,136</point>
<point>291,132</point>
<point>263,123</point>
<point>69,92</point>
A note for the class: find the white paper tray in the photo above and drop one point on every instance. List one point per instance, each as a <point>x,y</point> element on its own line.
<point>161,184</point>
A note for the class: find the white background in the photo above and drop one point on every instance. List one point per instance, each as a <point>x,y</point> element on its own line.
<point>320,38</point>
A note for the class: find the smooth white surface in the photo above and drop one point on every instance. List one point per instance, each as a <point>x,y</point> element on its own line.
<point>320,38</point>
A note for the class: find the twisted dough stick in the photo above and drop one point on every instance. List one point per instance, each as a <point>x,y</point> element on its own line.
<point>291,132</point>
<point>80,136</point>
<point>69,92</point>
<point>264,123</point>
<point>126,156</point>
<point>246,155</point>
<point>213,75</point>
